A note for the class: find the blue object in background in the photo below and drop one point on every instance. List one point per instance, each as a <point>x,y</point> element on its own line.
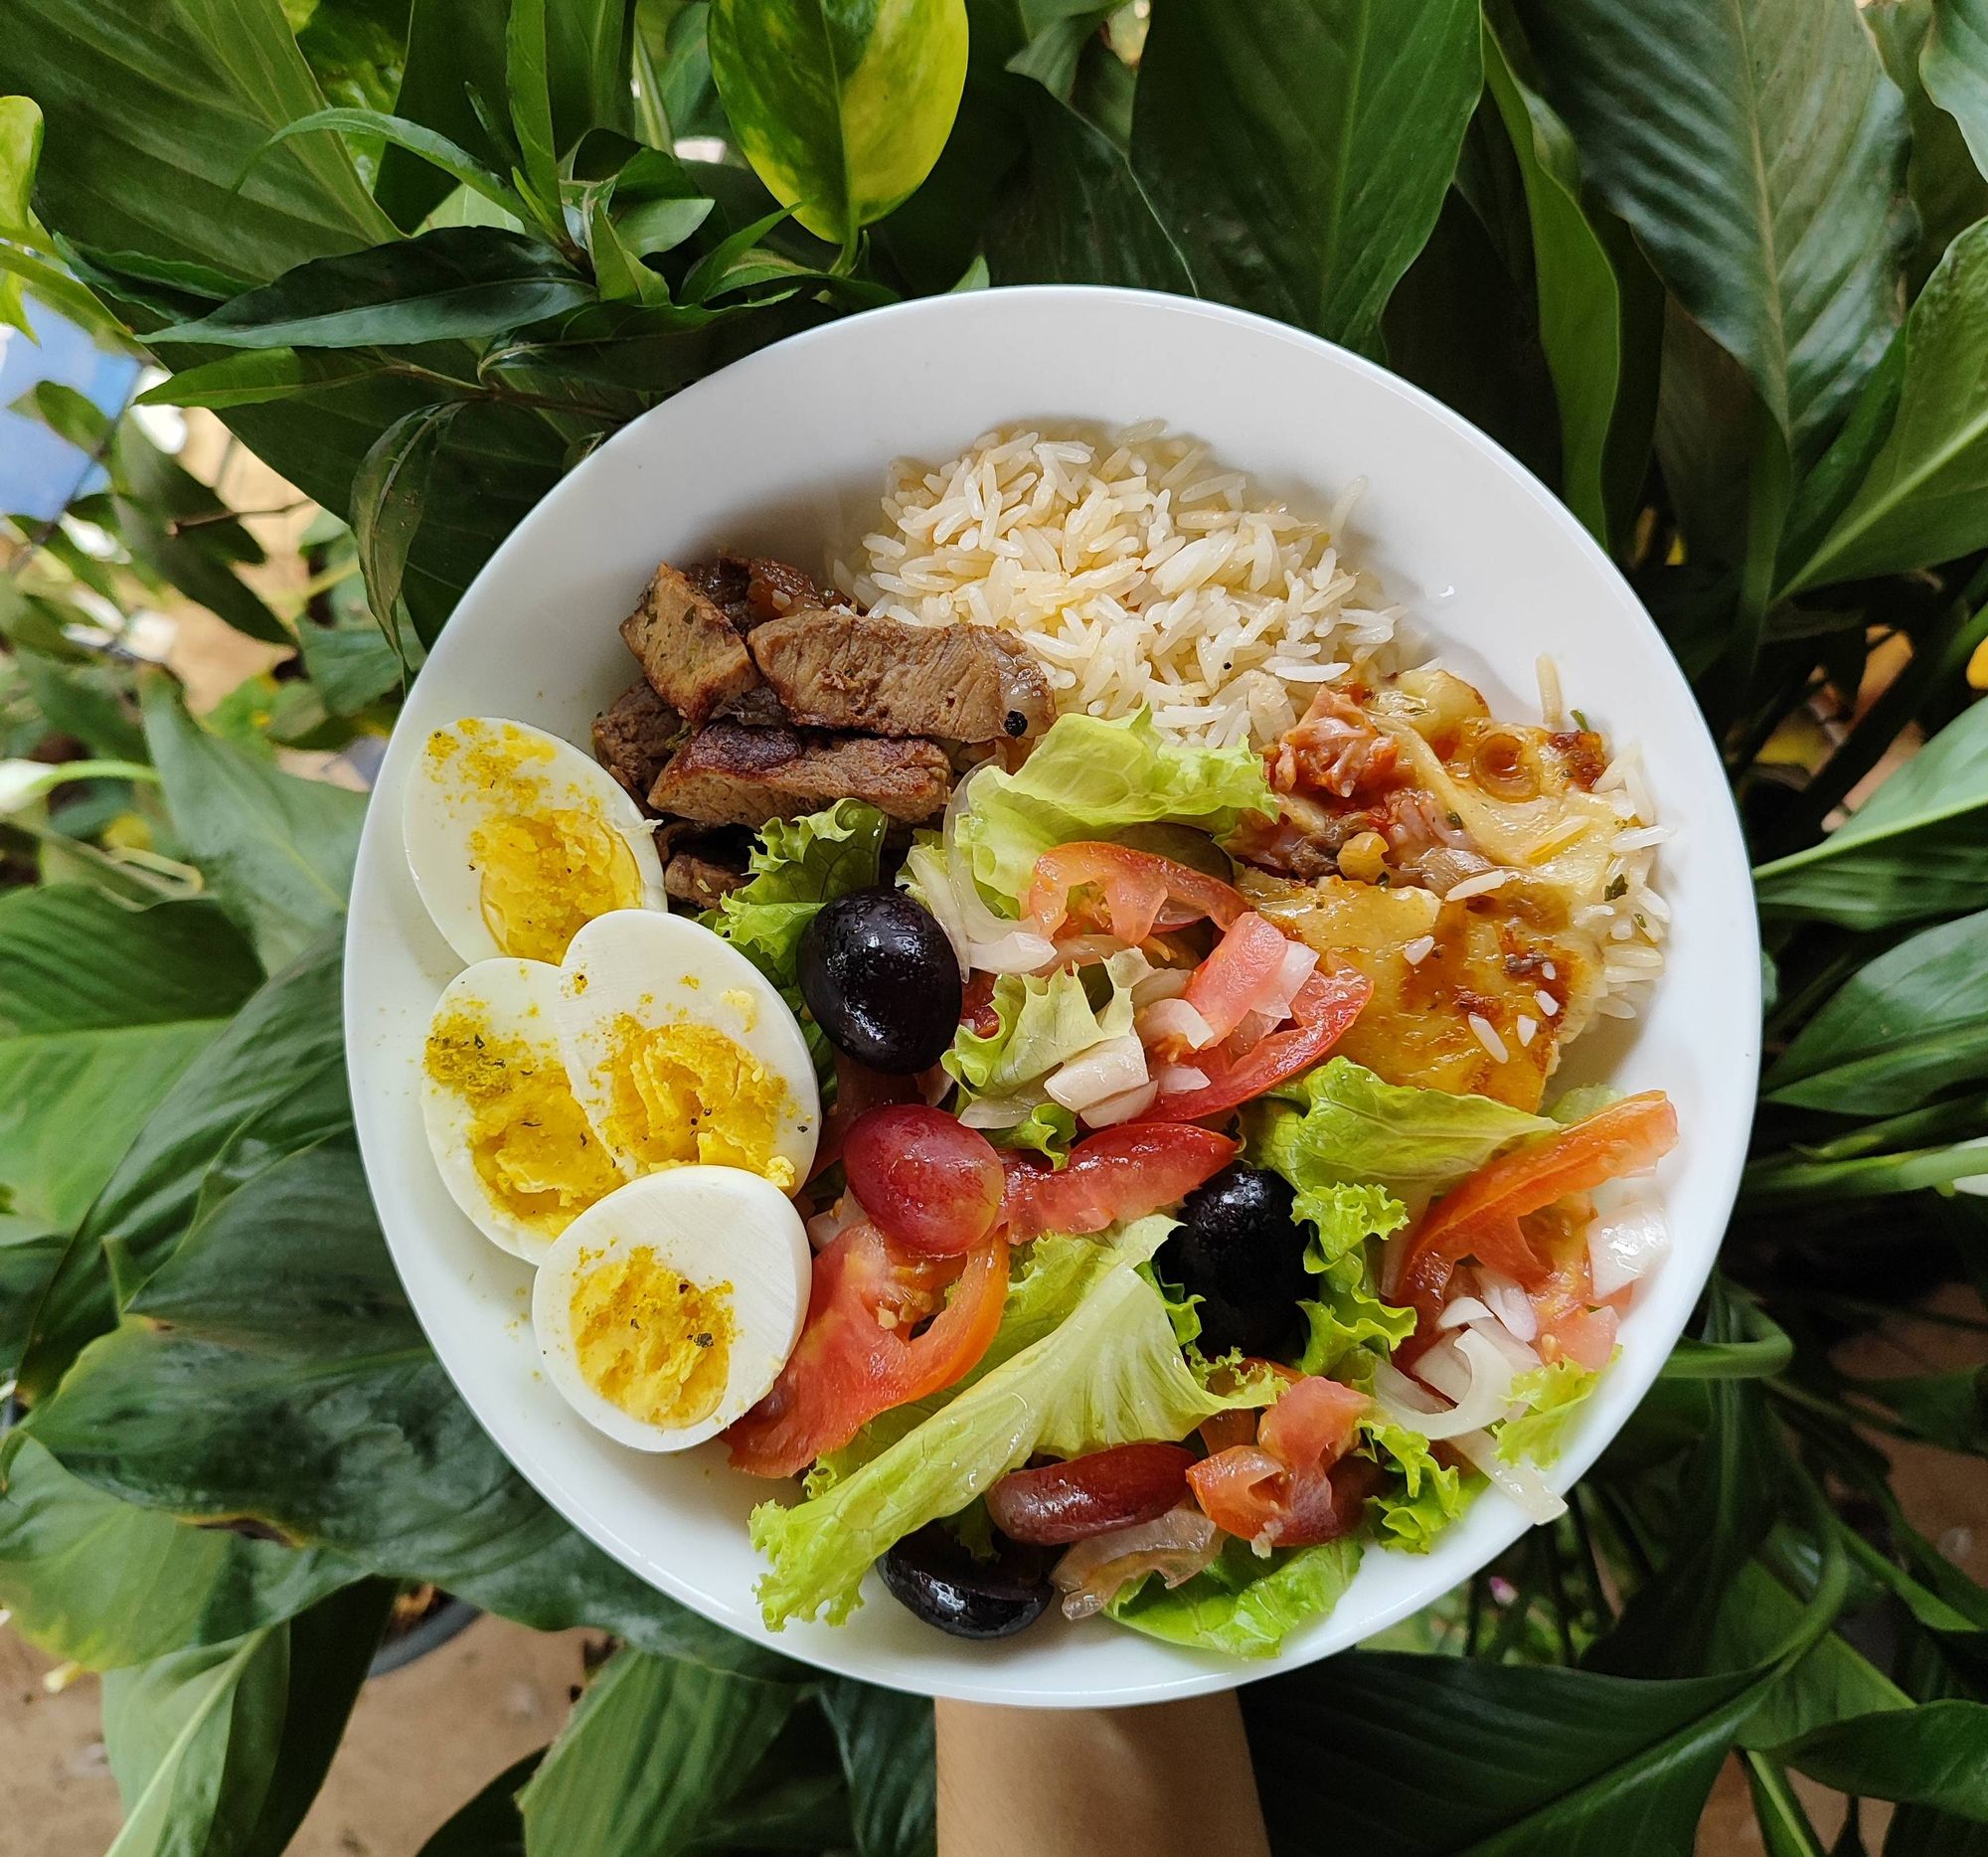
<point>40,473</point>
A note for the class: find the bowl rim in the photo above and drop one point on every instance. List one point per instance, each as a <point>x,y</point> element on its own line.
<point>1197,1672</point>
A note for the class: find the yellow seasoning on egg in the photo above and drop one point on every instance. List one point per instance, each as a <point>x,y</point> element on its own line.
<point>649,1339</point>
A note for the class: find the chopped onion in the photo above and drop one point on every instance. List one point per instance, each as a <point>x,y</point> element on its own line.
<point>933,883</point>
<point>1176,1546</point>
<point>1176,1021</point>
<point>826,1227</point>
<point>1520,1481</point>
<point>1256,1027</point>
<point>1460,1310</point>
<point>1281,987</point>
<point>1108,1068</point>
<point>1626,1241</point>
<point>1122,1109</point>
<point>1161,983</point>
<point>995,945</point>
<point>1508,1303</point>
<point>1174,1079</point>
<point>1523,1358</point>
<point>1443,867</point>
<point>1399,1396</point>
<point>1468,1369</point>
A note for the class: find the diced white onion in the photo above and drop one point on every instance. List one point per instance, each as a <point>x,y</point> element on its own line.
<point>1508,1303</point>
<point>1176,1079</point>
<point>1122,1109</point>
<point>1161,983</point>
<point>1460,1310</point>
<point>1281,987</point>
<point>1175,1020</point>
<point>1108,1068</point>
<point>994,944</point>
<point>1520,1481</point>
<point>935,886</point>
<point>1256,1027</point>
<point>1625,1242</point>
<point>1522,1358</point>
<point>1468,1369</point>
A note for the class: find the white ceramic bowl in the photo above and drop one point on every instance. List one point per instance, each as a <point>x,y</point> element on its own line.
<point>786,451</point>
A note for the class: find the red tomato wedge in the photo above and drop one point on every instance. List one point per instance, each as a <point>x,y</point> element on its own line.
<point>1140,890</point>
<point>1325,1006</point>
<point>1090,1496</point>
<point>850,1364</point>
<point>1291,1488</point>
<point>1233,981</point>
<point>1119,1173</point>
<point>1481,1217</point>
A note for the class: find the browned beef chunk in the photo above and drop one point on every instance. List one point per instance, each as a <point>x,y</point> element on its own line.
<point>833,668</point>
<point>750,588</point>
<point>689,651</point>
<point>728,775</point>
<point>633,737</point>
<point>700,880</point>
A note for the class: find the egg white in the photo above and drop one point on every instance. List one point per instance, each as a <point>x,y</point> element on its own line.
<point>661,969</point>
<point>441,813</point>
<point>714,1225</point>
<point>512,1000</point>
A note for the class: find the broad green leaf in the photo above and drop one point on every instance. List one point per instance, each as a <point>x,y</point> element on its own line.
<point>92,702</point>
<point>456,48</point>
<point>389,503</point>
<point>841,106</point>
<point>1579,302</point>
<point>1954,66</point>
<point>221,1749</point>
<point>101,1010</point>
<point>276,850</point>
<point>30,1254</point>
<point>1944,178</point>
<point>20,154</point>
<point>1300,149</point>
<point>397,132</point>
<point>469,281</point>
<point>1076,212</point>
<point>528,86</point>
<point>1755,147</point>
<point>257,375</point>
<point>1784,1827</point>
<point>887,1742</point>
<point>1919,846</point>
<point>1903,1028</point>
<point>1423,1756</point>
<point>1936,1754</point>
<point>1945,1409</point>
<point>601,1788</point>
<point>156,106</point>
<point>269,1367</point>
<point>489,1826</point>
<point>1922,500</point>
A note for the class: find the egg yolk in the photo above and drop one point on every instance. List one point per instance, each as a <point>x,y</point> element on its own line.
<point>547,871</point>
<point>529,1139</point>
<point>649,1340</point>
<point>685,1091</point>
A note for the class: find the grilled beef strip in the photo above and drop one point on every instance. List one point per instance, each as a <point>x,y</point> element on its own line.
<point>700,880</point>
<point>689,651</point>
<point>633,737</point>
<point>836,668</point>
<point>729,774</point>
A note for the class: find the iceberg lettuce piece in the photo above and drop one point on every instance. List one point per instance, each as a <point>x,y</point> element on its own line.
<point>1553,1398</point>
<point>1240,1603</point>
<point>797,866</point>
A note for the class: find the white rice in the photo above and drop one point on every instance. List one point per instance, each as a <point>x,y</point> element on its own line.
<point>1138,572</point>
<point>1142,574</point>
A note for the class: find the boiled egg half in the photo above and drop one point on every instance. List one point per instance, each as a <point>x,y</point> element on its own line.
<point>668,1308</point>
<point>682,1052</point>
<point>516,838</point>
<point>513,1145</point>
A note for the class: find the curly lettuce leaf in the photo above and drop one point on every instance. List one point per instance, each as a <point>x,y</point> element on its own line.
<point>1341,1124</point>
<point>1344,1315</point>
<point>1240,1603</point>
<point>799,865</point>
<point>1105,1371</point>
<point>1553,1398</point>
<point>1091,778</point>
<point>1049,1129</point>
<point>1044,1021</point>
<point>1422,1498</point>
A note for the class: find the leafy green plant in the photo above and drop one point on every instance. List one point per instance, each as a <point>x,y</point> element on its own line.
<point>1718,272</point>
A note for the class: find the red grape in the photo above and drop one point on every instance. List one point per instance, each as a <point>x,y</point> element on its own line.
<point>1090,1496</point>
<point>926,1181</point>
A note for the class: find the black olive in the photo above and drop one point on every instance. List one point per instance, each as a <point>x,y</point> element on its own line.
<point>936,1578</point>
<point>1241,1250</point>
<point>882,980</point>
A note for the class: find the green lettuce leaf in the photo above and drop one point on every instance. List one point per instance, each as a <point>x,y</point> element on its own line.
<point>1423,1497</point>
<point>1089,779</point>
<point>1346,1315</point>
<point>1242,1604</point>
<point>1048,1129</point>
<point>1553,1397</point>
<point>1340,1123</point>
<point>1044,1022</point>
<point>1577,1105</point>
<point>799,865</point>
<point>1107,1372</point>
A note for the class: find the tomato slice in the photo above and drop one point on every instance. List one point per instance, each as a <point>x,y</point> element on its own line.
<point>1116,1174</point>
<point>1325,1006</point>
<point>1091,1494</point>
<point>1291,1488</point>
<point>851,1363</point>
<point>1140,890</point>
<point>1481,1217</point>
<point>1231,982</point>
